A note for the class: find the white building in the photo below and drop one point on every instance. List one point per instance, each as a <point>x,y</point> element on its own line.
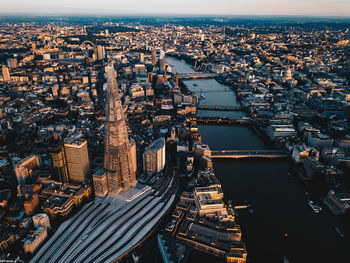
<point>41,220</point>
<point>275,131</point>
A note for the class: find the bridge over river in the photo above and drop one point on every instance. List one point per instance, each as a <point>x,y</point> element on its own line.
<point>222,120</point>
<point>237,154</point>
<point>219,108</point>
<point>197,75</point>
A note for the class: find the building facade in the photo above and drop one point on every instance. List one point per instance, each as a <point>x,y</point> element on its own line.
<point>118,159</point>
<point>100,182</point>
<point>77,156</point>
<point>23,169</point>
<point>58,160</point>
<point>154,157</point>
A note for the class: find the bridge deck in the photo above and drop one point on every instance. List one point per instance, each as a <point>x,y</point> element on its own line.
<point>223,120</point>
<point>219,108</point>
<point>197,75</point>
<point>236,154</point>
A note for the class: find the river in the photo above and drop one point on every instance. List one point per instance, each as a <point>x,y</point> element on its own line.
<point>282,223</point>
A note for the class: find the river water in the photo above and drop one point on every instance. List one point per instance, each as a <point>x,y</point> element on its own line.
<point>282,223</point>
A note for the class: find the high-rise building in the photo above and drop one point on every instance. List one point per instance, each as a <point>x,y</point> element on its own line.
<point>162,61</point>
<point>100,182</point>
<point>6,73</point>
<point>141,57</point>
<point>140,70</point>
<point>154,58</point>
<point>101,52</point>
<point>77,158</point>
<point>58,160</point>
<point>12,63</point>
<point>118,160</point>
<point>154,157</point>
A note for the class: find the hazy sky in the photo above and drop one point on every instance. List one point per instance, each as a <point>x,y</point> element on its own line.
<point>149,7</point>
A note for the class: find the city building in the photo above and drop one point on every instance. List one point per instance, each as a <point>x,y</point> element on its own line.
<point>100,182</point>
<point>61,199</point>
<point>101,52</point>
<point>77,156</point>
<point>34,240</point>
<point>140,70</point>
<point>154,157</point>
<point>41,220</point>
<point>275,131</point>
<point>58,160</point>
<point>31,203</point>
<point>12,63</point>
<point>154,58</point>
<point>6,73</point>
<point>118,159</point>
<point>141,57</point>
<point>319,140</point>
<point>23,169</point>
<point>162,62</point>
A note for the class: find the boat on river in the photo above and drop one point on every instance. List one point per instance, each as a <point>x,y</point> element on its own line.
<point>316,207</point>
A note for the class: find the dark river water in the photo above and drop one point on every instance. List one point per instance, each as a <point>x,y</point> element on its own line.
<point>282,223</point>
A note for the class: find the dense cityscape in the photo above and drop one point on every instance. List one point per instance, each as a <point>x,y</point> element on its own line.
<point>174,139</point>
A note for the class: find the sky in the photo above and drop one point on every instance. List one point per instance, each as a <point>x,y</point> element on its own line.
<point>178,7</point>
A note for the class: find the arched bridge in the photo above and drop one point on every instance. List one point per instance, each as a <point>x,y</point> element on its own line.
<point>237,154</point>
<point>87,42</point>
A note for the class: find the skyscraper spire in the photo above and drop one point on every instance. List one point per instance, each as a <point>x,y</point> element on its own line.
<point>118,160</point>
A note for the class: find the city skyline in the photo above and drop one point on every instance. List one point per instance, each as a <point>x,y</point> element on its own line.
<point>182,7</point>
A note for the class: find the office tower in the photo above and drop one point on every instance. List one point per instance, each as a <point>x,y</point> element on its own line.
<point>12,63</point>
<point>6,73</point>
<point>162,61</point>
<point>101,52</point>
<point>77,158</point>
<point>23,169</point>
<point>118,161</point>
<point>58,159</point>
<point>154,157</point>
<point>141,58</point>
<point>100,182</point>
<point>140,70</point>
<point>154,58</point>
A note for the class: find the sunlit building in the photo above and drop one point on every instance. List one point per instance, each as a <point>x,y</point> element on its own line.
<point>77,156</point>
<point>154,157</point>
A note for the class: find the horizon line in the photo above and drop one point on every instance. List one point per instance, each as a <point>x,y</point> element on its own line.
<point>43,14</point>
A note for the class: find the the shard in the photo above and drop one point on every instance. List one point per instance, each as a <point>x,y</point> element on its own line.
<point>118,159</point>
